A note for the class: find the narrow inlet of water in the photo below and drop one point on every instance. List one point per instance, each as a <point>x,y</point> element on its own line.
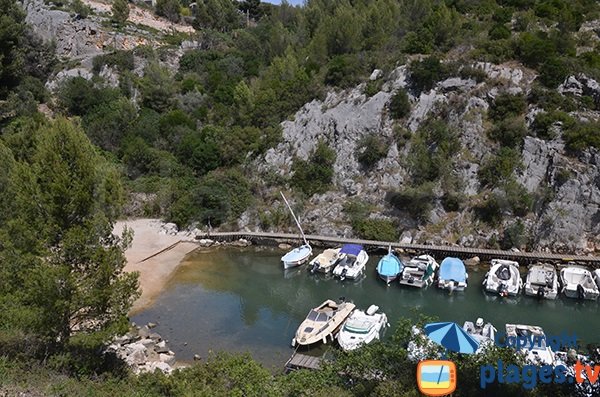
<point>241,300</point>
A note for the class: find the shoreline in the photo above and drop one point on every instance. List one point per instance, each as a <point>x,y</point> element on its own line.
<point>150,237</point>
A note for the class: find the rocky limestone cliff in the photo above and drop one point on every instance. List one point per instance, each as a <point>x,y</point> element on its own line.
<point>567,221</point>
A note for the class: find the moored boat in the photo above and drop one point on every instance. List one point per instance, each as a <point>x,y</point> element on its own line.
<point>597,277</point>
<point>452,275</point>
<point>542,281</point>
<point>482,333</point>
<point>577,282</point>
<point>535,349</point>
<point>299,255</point>
<point>389,267</point>
<point>325,261</point>
<point>353,259</point>
<point>419,271</point>
<point>503,278</point>
<point>321,322</point>
<point>362,328</point>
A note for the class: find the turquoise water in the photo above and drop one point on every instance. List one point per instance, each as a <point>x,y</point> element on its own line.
<point>241,300</point>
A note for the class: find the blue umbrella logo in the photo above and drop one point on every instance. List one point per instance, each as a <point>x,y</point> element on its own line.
<point>452,337</point>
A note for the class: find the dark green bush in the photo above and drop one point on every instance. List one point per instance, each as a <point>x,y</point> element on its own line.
<point>509,132</point>
<point>514,236</point>
<point>519,201</point>
<point>79,96</point>
<point>581,136</point>
<point>315,174</point>
<point>122,60</point>
<point>426,73</point>
<point>371,149</point>
<point>553,72</point>
<point>507,105</point>
<point>343,71</point>
<point>477,74</point>
<point>416,201</point>
<point>489,210</point>
<point>534,49</point>
<point>499,32</point>
<point>399,105</point>
<point>376,229</point>
<point>499,168</point>
<point>544,120</point>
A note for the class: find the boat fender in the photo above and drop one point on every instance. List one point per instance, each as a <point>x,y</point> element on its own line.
<point>293,342</point>
<point>372,310</point>
<point>325,339</point>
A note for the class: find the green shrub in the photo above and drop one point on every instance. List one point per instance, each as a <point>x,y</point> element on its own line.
<point>399,105</point>
<point>514,236</point>
<point>420,42</point>
<point>424,74</point>
<point>343,71</point>
<point>498,169</point>
<point>168,9</point>
<point>315,174</point>
<point>417,201</point>
<point>550,99</point>
<point>519,201</point>
<point>373,87</point>
<point>544,120</point>
<point>79,96</point>
<point>507,105</point>
<point>371,149</point>
<point>376,229</point>
<point>509,132</point>
<point>120,12</point>
<point>489,210</point>
<point>122,60</point>
<point>80,9</point>
<point>534,49</point>
<point>581,136</point>
<point>469,72</point>
<point>499,32</point>
<point>553,72</point>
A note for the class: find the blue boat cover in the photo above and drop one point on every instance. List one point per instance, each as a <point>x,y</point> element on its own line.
<point>453,269</point>
<point>351,249</point>
<point>389,265</point>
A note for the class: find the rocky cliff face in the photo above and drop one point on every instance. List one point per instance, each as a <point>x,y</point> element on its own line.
<point>567,220</point>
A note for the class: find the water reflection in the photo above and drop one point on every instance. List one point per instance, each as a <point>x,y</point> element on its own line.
<point>242,300</point>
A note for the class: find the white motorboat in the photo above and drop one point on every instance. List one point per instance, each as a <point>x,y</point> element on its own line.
<point>542,281</point>
<point>452,275</point>
<point>482,333</point>
<point>419,272</point>
<point>325,261</point>
<point>362,328</point>
<point>597,277</point>
<point>538,353</point>
<point>299,255</point>
<point>352,263</point>
<point>503,278</point>
<point>577,282</point>
<point>321,322</point>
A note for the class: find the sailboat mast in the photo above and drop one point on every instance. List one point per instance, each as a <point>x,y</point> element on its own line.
<point>295,219</point>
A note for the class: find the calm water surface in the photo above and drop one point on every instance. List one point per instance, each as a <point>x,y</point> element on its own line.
<point>241,300</point>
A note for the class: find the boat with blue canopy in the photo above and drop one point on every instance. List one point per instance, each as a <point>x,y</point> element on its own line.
<point>389,267</point>
<point>452,275</point>
<point>352,262</point>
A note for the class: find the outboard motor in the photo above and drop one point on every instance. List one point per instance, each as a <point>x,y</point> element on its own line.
<point>314,267</point>
<point>541,292</point>
<point>343,275</point>
<point>503,290</point>
<point>580,292</point>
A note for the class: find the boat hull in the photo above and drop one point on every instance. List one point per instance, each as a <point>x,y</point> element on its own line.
<point>313,332</point>
<point>296,257</point>
<point>452,285</point>
<point>388,279</point>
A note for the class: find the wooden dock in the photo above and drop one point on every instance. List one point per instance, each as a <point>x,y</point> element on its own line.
<point>302,361</point>
<point>265,238</point>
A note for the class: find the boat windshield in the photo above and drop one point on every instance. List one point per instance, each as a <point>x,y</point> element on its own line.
<point>316,316</point>
<point>358,326</point>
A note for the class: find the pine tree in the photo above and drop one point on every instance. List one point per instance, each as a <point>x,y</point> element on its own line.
<point>120,11</point>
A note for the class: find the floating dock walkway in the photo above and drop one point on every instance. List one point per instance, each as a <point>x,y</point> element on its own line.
<point>301,361</point>
<point>265,238</point>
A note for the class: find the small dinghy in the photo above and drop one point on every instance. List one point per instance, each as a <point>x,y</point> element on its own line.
<point>419,271</point>
<point>452,275</point>
<point>538,353</point>
<point>503,278</point>
<point>299,255</point>
<point>321,322</point>
<point>482,333</point>
<point>325,261</point>
<point>577,282</point>
<point>362,328</point>
<point>353,259</point>
<point>389,267</point>
<point>542,281</point>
